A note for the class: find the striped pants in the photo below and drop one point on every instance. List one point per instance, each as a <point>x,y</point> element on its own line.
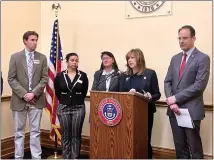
<point>71,120</point>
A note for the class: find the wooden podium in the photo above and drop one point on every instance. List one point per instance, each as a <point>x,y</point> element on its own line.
<point>129,138</point>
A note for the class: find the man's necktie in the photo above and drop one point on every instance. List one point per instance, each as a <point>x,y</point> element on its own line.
<point>183,64</point>
<point>30,69</point>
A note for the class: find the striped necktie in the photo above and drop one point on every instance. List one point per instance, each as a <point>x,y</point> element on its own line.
<point>30,69</point>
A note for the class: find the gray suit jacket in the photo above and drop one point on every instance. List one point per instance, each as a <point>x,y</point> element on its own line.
<point>18,79</point>
<point>98,77</point>
<point>189,89</point>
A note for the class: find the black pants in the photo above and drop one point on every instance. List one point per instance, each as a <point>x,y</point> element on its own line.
<point>150,125</point>
<point>187,141</point>
<point>71,120</point>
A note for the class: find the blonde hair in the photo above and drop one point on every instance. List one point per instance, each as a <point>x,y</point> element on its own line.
<point>140,61</point>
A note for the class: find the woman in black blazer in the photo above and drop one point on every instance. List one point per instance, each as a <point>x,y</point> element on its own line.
<point>138,78</point>
<point>107,77</point>
<point>71,87</point>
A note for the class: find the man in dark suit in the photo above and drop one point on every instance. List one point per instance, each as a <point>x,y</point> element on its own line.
<point>185,82</point>
<point>1,84</point>
<point>27,76</point>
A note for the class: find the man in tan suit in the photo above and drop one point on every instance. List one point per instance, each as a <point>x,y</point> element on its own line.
<point>27,76</point>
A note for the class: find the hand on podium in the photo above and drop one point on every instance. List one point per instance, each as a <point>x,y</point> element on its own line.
<point>147,95</point>
<point>132,90</point>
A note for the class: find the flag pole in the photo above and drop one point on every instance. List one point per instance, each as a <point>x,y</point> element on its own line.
<point>56,7</point>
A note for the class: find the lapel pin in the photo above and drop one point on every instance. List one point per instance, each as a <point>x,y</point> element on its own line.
<point>144,77</point>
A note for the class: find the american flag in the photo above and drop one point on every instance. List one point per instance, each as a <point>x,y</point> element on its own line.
<point>55,66</point>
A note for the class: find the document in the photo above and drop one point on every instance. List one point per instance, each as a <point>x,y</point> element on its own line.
<point>184,119</point>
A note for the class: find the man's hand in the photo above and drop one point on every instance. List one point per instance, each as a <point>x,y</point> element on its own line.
<point>175,108</point>
<point>171,100</point>
<point>29,96</point>
<point>32,102</point>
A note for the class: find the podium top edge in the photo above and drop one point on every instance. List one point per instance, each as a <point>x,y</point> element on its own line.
<point>125,93</point>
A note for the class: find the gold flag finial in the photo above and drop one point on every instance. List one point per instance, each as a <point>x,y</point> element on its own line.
<point>56,6</point>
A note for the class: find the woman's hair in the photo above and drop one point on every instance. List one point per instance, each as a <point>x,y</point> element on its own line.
<point>140,61</point>
<point>69,55</point>
<point>114,65</point>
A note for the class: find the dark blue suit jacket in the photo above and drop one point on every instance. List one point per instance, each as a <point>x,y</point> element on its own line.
<point>147,81</point>
<point>1,84</point>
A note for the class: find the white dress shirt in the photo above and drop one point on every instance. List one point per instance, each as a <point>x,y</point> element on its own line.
<point>108,80</point>
<point>188,54</point>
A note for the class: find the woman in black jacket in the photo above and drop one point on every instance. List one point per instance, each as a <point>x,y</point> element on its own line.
<point>138,78</point>
<point>107,77</point>
<point>71,87</point>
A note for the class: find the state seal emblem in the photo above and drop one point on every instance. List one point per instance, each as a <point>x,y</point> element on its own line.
<point>110,111</point>
<point>147,6</point>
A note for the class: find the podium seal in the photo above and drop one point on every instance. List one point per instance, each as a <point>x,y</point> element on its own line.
<point>110,111</point>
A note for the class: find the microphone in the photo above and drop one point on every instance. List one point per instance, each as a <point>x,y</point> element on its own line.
<point>117,73</point>
<point>110,75</point>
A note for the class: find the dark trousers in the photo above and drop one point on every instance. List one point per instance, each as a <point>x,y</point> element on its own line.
<point>150,125</point>
<point>71,120</point>
<point>187,141</point>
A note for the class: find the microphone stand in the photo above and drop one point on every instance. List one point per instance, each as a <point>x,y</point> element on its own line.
<point>112,74</point>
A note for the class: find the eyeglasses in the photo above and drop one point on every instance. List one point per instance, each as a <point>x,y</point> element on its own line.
<point>105,58</point>
<point>183,38</point>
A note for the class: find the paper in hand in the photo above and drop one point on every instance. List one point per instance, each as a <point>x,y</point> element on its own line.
<point>184,119</point>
